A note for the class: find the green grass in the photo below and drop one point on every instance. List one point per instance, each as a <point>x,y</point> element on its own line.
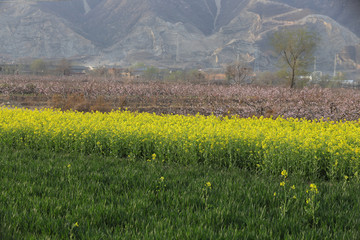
<point>43,195</point>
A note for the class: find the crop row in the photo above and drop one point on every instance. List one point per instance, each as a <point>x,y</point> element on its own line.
<point>309,148</point>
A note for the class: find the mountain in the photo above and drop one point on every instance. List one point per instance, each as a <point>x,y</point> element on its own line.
<point>183,33</point>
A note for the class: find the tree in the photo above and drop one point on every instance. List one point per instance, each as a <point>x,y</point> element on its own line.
<point>239,72</point>
<point>151,73</point>
<point>340,76</point>
<point>296,48</point>
<point>176,76</point>
<point>195,76</point>
<point>38,66</point>
<point>63,67</point>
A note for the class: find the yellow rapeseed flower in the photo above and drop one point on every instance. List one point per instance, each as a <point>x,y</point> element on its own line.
<point>282,184</point>
<point>284,173</point>
<point>313,188</point>
<point>208,184</point>
<point>183,137</point>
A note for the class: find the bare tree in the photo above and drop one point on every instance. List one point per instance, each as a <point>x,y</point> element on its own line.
<point>239,72</point>
<point>63,67</point>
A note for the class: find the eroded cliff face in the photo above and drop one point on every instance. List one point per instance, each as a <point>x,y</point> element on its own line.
<point>26,31</point>
<point>186,33</point>
<point>345,12</point>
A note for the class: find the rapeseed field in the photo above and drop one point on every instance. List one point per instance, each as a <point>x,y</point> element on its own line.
<point>310,148</point>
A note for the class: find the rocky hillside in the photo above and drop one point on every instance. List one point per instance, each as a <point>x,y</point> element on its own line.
<point>186,33</point>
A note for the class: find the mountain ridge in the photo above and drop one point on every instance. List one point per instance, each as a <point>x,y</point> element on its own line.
<point>185,33</point>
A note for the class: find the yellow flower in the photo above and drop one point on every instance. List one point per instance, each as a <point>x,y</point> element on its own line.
<point>282,184</point>
<point>274,194</point>
<point>313,188</point>
<point>284,173</point>
<point>293,187</point>
<point>208,184</point>
<point>162,179</point>
<point>346,177</point>
<point>153,156</point>
<point>294,197</point>
<point>76,224</point>
<point>69,165</point>
<point>307,200</point>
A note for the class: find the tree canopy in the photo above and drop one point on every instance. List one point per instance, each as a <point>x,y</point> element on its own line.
<point>296,48</point>
<point>38,66</point>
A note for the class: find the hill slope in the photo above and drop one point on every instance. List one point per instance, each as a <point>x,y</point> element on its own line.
<point>206,33</point>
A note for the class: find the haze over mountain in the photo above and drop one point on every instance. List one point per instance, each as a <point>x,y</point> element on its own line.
<point>185,33</point>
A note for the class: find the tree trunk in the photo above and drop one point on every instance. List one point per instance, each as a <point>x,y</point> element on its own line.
<point>292,81</point>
